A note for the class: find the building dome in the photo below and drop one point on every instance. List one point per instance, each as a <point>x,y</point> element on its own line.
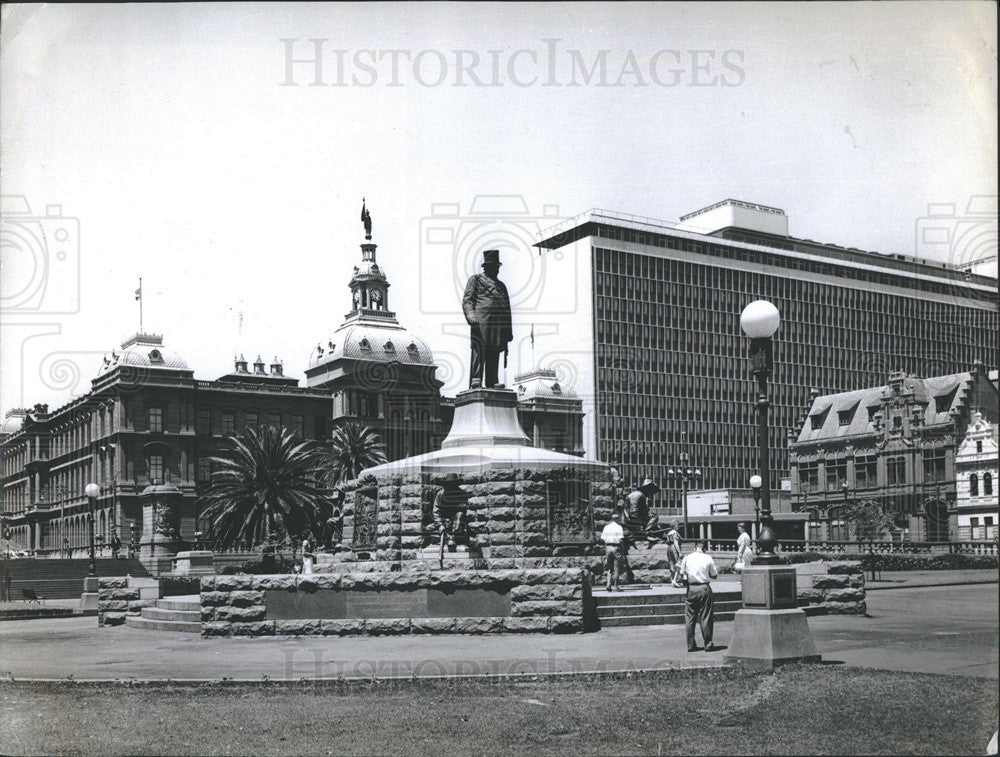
<point>541,384</point>
<point>365,339</point>
<point>13,421</point>
<point>145,351</point>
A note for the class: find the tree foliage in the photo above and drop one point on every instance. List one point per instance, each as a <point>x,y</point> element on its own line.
<point>354,447</point>
<point>267,489</point>
<point>870,519</point>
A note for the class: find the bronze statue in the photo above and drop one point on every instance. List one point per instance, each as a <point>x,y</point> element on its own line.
<point>486,305</point>
<point>366,219</point>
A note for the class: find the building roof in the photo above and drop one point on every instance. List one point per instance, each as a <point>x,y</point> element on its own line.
<point>382,341</point>
<point>13,421</point>
<point>834,416</point>
<point>543,384</point>
<point>589,223</point>
<point>144,351</point>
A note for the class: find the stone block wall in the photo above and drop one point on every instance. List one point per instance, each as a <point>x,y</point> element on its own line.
<point>540,601</point>
<point>507,515</point>
<point>841,591</point>
<point>115,600</point>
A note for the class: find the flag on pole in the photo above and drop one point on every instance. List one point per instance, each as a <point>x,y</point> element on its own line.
<point>138,292</point>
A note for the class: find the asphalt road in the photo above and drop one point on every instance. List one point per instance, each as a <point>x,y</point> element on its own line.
<point>940,629</point>
<point>951,630</point>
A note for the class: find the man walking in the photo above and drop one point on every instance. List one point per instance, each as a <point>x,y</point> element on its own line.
<point>612,536</point>
<point>699,569</point>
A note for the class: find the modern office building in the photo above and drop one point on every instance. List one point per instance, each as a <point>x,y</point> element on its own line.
<point>659,353</point>
<point>896,445</point>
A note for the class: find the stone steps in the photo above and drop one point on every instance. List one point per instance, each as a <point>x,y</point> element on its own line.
<point>659,605</point>
<point>658,620</point>
<point>190,602</point>
<point>181,614</point>
<point>149,624</point>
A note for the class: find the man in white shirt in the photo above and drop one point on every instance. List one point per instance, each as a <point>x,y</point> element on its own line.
<point>743,552</point>
<point>699,570</point>
<point>612,536</point>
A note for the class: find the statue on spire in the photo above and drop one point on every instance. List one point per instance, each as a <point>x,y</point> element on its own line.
<point>366,219</point>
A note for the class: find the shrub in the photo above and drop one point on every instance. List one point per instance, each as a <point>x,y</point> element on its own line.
<point>901,561</point>
<point>179,586</point>
<point>266,565</point>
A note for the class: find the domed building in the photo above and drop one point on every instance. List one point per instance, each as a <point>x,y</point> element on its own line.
<point>379,373</point>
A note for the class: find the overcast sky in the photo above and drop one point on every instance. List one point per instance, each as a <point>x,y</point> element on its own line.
<point>193,156</point>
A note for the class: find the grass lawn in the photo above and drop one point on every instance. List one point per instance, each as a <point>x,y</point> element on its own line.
<point>798,710</point>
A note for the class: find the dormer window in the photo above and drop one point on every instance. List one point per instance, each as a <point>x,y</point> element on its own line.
<point>873,410</point>
<point>942,402</point>
<point>155,356</point>
<point>818,419</point>
<point>556,389</point>
<point>844,417</point>
<point>412,349</point>
<point>390,347</point>
<point>365,345</point>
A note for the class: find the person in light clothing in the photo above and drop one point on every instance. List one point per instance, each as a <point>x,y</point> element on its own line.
<point>612,536</point>
<point>699,570</point>
<point>743,551</point>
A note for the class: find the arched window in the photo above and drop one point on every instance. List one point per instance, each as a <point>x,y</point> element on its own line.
<point>974,485</point>
<point>987,484</point>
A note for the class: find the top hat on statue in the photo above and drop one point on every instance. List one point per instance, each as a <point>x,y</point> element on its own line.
<point>649,485</point>
<point>491,257</point>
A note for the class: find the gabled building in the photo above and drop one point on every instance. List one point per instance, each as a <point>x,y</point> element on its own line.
<point>895,445</point>
<point>976,473</point>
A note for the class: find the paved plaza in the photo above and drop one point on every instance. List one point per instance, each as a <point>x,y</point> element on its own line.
<point>944,629</point>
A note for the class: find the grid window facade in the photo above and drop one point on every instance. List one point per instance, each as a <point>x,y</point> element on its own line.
<point>670,358</point>
<point>156,419</point>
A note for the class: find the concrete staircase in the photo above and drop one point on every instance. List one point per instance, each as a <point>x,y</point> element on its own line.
<point>170,614</point>
<point>658,605</point>
<point>60,578</point>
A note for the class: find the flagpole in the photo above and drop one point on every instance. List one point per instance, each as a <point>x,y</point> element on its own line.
<point>140,304</point>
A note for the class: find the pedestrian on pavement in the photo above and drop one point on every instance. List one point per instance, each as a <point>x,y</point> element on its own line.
<point>699,570</point>
<point>116,546</point>
<point>743,552</point>
<point>674,555</point>
<point>307,556</point>
<point>613,536</point>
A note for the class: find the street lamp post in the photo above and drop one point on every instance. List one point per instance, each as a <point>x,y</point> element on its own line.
<point>755,484</point>
<point>92,491</point>
<point>770,628</point>
<point>759,320</point>
<point>684,474</point>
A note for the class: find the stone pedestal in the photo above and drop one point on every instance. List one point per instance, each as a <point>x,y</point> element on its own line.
<point>88,600</point>
<point>195,563</point>
<point>770,629</point>
<point>161,514</point>
<point>485,417</point>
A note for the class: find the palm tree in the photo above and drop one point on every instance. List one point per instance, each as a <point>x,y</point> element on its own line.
<point>267,488</point>
<point>353,448</point>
